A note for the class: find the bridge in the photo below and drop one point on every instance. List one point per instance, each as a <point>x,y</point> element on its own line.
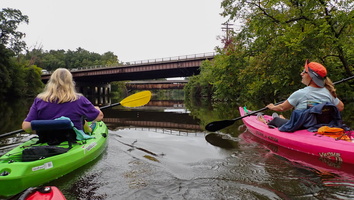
<point>153,85</point>
<point>180,66</point>
<point>96,80</point>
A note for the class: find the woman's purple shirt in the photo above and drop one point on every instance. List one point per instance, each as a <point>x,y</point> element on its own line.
<point>42,110</point>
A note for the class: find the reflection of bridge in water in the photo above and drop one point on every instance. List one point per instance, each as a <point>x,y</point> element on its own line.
<point>156,84</point>
<point>105,101</point>
<point>179,132</point>
<point>166,104</point>
<point>144,118</point>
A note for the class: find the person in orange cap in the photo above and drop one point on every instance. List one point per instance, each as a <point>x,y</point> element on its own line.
<point>320,89</point>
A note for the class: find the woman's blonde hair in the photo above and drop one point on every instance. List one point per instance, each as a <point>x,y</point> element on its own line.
<point>330,86</point>
<point>60,87</point>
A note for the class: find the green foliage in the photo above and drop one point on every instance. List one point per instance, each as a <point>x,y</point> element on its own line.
<point>175,94</point>
<point>33,80</point>
<point>197,86</point>
<point>9,36</point>
<point>14,77</point>
<point>109,59</point>
<point>118,90</point>
<point>265,58</point>
<point>347,114</point>
<point>53,59</point>
<point>5,79</point>
<point>202,109</point>
<point>17,78</point>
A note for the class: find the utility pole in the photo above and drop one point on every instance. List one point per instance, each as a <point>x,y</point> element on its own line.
<point>227,29</point>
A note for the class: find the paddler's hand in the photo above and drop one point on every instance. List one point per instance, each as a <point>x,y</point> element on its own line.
<point>270,106</point>
<point>280,107</point>
<point>100,115</point>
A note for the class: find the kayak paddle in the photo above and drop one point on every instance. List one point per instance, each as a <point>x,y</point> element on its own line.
<point>218,125</point>
<point>134,100</point>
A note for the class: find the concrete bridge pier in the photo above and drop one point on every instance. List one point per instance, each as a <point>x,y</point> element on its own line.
<point>100,100</point>
<point>94,89</point>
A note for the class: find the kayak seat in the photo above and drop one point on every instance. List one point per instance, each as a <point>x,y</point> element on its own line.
<point>54,132</point>
<point>326,116</point>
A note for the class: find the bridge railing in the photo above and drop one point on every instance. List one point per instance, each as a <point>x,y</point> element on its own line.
<point>151,61</point>
<point>175,58</point>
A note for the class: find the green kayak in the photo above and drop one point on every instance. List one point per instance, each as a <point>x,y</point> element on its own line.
<point>34,163</point>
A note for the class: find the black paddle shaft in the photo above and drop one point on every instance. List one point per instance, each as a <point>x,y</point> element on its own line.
<point>11,133</point>
<point>218,125</point>
<point>343,80</point>
<point>109,106</point>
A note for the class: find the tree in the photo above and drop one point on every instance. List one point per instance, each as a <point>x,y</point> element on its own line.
<point>9,36</point>
<point>321,30</point>
<point>53,59</point>
<point>5,79</point>
<point>17,76</point>
<point>276,38</point>
<point>109,58</point>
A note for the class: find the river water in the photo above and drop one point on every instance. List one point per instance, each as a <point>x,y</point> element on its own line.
<point>163,153</point>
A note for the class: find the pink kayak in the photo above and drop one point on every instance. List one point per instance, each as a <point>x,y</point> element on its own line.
<point>301,140</point>
<point>335,172</point>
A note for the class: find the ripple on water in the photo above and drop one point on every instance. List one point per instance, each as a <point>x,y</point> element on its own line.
<point>340,188</point>
<point>189,167</point>
<point>204,189</point>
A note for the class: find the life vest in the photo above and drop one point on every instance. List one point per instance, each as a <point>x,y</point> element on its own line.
<point>334,132</point>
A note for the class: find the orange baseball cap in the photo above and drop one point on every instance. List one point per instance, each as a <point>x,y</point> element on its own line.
<point>317,72</point>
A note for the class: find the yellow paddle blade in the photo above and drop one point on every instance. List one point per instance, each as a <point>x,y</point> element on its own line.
<point>137,99</point>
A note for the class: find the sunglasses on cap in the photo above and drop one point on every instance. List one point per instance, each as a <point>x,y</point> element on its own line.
<point>306,63</point>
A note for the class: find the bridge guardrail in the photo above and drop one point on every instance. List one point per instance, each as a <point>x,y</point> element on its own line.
<point>183,57</point>
<point>148,61</point>
<point>151,61</point>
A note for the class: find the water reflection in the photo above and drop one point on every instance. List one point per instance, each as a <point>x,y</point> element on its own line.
<point>144,117</point>
<point>12,113</point>
<point>221,140</point>
<point>292,175</point>
<point>153,153</point>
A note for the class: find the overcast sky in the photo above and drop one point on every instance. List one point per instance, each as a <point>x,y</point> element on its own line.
<point>131,29</point>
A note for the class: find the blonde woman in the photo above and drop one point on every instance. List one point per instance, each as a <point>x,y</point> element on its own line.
<point>58,99</point>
